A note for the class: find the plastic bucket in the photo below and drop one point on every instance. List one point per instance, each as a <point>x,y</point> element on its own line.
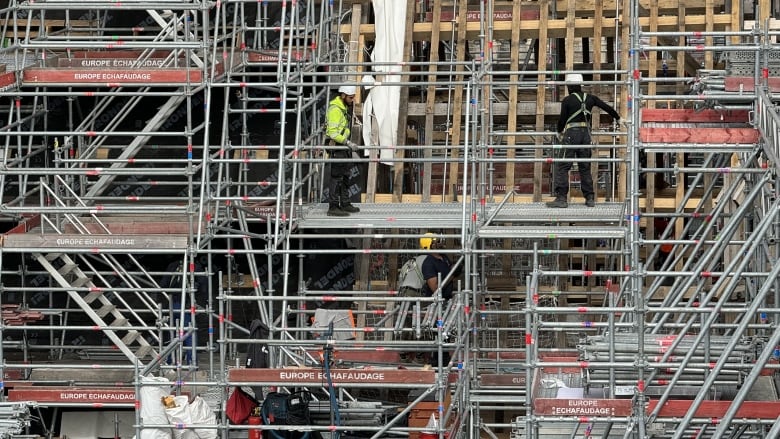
<point>255,433</point>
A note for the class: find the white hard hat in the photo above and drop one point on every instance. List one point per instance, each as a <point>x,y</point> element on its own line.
<point>573,78</point>
<point>368,82</point>
<point>347,90</point>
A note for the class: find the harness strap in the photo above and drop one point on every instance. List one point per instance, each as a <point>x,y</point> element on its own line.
<point>583,109</point>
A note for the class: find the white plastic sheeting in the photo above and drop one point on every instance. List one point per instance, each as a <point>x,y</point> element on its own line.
<point>381,105</point>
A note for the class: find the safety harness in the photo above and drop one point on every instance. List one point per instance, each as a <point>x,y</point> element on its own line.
<point>583,109</point>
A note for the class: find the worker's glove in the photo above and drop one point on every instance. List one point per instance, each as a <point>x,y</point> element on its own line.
<point>352,145</point>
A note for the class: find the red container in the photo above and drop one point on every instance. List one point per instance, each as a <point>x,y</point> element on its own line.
<point>425,435</point>
<point>255,433</point>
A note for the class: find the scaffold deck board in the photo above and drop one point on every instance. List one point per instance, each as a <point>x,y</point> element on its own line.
<point>449,215</point>
<point>95,396</point>
<point>111,77</point>
<point>700,135</point>
<point>717,409</point>
<point>93,243</point>
<point>677,115</point>
<point>308,376</point>
<point>553,232</point>
<point>745,84</point>
<point>603,212</point>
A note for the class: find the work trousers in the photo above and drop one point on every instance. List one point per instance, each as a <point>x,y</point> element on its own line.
<point>574,136</point>
<point>339,179</point>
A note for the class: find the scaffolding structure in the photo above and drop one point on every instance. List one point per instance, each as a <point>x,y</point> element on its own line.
<point>164,176</point>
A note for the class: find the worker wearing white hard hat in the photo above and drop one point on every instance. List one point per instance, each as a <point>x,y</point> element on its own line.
<point>574,129</point>
<point>348,90</point>
<point>338,132</point>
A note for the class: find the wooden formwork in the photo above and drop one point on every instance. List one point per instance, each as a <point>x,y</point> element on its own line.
<point>584,30</point>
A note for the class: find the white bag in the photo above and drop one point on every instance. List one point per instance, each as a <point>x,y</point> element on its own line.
<point>201,413</point>
<point>181,415</point>
<point>152,410</point>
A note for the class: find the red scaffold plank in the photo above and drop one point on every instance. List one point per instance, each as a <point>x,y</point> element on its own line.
<point>123,53</point>
<point>113,59</point>
<point>364,356</point>
<point>135,228</point>
<point>26,225</point>
<point>716,409</point>
<point>582,407</point>
<point>273,56</point>
<point>689,115</point>
<point>72,395</point>
<point>527,14</point>
<point>339,376</point>
<point>111,77</point>
<point>745,83</point>
<point>7,79</point>
<point>502,379</point>
<point>113,63</point>
<point>717,136</point>
<point>98,242</point>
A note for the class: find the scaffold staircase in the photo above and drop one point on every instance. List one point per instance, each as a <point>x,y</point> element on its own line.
<point>97,306</point>
<point>122,325</point>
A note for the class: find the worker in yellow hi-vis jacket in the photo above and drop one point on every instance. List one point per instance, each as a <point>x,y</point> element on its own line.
<point>338,131</point>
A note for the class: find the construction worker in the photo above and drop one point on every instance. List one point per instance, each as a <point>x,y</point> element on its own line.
<point>574,129</point>
<point>435,265</point>
<point>338,131</point>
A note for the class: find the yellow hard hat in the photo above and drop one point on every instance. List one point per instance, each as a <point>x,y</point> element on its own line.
<point>427,240</point>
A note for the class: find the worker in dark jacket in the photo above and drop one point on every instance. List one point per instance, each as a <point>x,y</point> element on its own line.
<point>574,129</point>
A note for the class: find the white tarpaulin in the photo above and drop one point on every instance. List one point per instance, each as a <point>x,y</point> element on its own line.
<point>381,105</point>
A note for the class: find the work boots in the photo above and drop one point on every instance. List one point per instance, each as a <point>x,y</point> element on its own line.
<point>559,202</point>
<point>590,201</point>
<point>350,208</point>
<point>336,211</point>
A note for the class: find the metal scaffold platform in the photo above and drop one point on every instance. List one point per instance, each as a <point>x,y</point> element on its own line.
<point>166,244</point>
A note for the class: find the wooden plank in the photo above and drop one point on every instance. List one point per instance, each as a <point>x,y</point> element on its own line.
<point>430,100</point>
<point>541,96</point>
<point>457,114</point>
<point>736,20</point>
<point>764,12</point>
<point>398,166</point>
<point>709,26</point>
<point>681,56</point>
<point>585,6</point>
<point>556,28</point>
<point>570,13</point>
